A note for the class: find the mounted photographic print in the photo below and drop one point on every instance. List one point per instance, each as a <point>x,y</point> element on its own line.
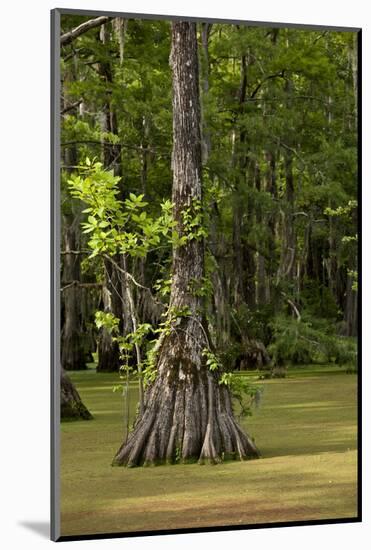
<point>205,287</point>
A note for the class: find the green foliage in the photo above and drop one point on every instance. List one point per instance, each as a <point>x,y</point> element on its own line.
<point>342,211</point>
<point>309,341</point>
<point>320,302</point>
<point>116,226</point>
<point>163,287</point>
<point>212,361</point>
<point>193,226</point>
<point>201,287</point>
<point>245,392</point>
<point>254,322</point>
<point>149,364</point>
<point>128,342</point>
<point>107,320</point>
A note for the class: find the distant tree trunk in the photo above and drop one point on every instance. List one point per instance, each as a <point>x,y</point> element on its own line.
<point>288,250</point>
<point>72,408</point>
<point>188,414</point>
<point>244,262</point>
<point>89,304</point>
<point>271,226</point>
<point>262,293</point>
<point>73,356</point>
<point>108,350</point>
<point>351,307</point>
<point>219,306</point>
<point>111,153</point>
<point>205,68</point>
<point>350,313</point>
<point>289,232</point>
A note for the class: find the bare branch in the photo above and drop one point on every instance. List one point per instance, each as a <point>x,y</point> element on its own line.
<point>68,37</point>
<point>109,144</point>
<point>281,74</point>
<point>80,285</point>
<point>126,273</point>
<point>294,151</point>
<point>71,107</point>
<point>291,303</point>
<point>75,252</point>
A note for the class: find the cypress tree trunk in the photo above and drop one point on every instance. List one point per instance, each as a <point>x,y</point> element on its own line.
<point>205,68</point>
<point>72,408</point>
<point>73,355</point>
<point>244,261</point>
<point>350,313</point>
<point>187,415</point>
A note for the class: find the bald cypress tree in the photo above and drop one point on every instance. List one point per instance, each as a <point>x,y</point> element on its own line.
<point>187,413</point>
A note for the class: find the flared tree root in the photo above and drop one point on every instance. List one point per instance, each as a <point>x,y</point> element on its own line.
<point>72,408</point>
<point>187,418</point>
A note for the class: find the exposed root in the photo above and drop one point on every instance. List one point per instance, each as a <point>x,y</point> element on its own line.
<point>185,421</point>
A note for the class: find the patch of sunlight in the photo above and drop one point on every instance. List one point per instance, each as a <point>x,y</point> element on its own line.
<point>323,405</point>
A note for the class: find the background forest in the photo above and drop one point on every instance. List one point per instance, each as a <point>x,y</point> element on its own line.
<point>279,154</point>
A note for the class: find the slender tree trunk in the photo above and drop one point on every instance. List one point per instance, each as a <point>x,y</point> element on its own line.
<point>219,306</point>
<point>89,299</point>
<point>205,68</point>
<point>188,414</point>
<point>290,248</point>
<point>131,312</point>
<point>244,262</point>
<point>108,350</point>
<point>350,313</point>
<point>288,251</point>
<point>261,282</point>
<point>111,154</point>
<point>271,226</point>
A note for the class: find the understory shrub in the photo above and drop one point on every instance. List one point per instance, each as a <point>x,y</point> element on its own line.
<point>309,341</point>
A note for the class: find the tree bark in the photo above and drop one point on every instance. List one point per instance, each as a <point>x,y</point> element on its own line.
<point>73,355</point>
<point>350,313</point>
<point>188,415</point>
<point>72,408</point>
<point>205,68</point>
